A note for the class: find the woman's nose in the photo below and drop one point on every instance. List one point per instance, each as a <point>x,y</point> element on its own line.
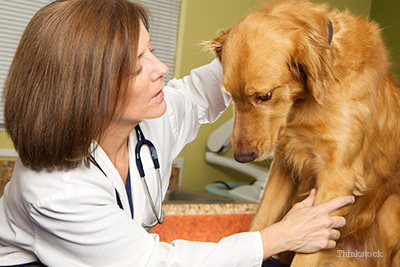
<point>160,68</point>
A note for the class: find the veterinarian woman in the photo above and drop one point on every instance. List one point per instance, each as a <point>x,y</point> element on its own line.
<point>83,95</point>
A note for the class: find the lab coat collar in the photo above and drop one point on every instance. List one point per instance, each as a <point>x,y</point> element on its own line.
<point>138,196</point>
<point>113,175</point>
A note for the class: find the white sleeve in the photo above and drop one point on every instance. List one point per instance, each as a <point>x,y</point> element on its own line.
<point>244,249</point>
<point>82,226</point>
<point>194,100</point>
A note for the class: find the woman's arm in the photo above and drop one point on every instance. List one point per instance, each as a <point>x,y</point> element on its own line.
<point>194,100</point>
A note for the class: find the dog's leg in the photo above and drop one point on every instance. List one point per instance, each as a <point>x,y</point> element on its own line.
<point>335,183</point>
<point>396,260</point>
<point>383,251</point>
<point>389,233</point>
<point>330,185</point>
<point>277,199</point>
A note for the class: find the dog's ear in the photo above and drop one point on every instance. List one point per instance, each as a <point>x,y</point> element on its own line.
<point>216,45</point>
<point>313,56</point>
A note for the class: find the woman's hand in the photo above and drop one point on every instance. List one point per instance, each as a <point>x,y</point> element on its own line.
<point>306,228</point>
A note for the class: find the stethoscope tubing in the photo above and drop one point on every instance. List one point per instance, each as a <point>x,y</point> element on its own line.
<point>143,142</point>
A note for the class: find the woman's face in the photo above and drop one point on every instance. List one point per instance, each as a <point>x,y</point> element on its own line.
<point>146,95</point>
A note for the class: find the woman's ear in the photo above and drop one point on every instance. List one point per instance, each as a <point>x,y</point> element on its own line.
<point>313,57</point>
<point>216,45</point>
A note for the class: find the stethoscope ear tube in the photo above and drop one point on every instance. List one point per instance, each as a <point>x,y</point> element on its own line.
<point>153,153</point>
<point>142,141</point>
<point>139,164</point>
<point>154,156</point>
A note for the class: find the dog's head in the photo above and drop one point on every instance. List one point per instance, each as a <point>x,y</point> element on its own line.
<point>273,58</point>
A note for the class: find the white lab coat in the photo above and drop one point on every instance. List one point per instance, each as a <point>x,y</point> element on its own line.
<point>70,218</point>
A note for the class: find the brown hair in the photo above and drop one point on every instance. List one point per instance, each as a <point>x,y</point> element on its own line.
<point>75,61</point>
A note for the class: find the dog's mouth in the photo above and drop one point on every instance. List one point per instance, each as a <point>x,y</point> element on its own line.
<point>248,151</point>
<point>267,151</point>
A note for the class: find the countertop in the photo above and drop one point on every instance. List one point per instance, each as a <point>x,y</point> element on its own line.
<point>179,201</point>
<point>213,208</point>
<point>204,222</point>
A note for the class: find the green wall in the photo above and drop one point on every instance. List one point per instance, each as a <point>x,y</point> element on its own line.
<point>386,13</point>
<point>359,7</point>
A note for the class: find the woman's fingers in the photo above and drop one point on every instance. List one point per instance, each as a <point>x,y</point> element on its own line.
<point>335,234</point>
<point>330,206</point>
<point>307,228</point>
<point>331,244</point>
<point>336,203</point>
<point>338,221</point>
<point>309,201</point>
<point>312,228</point>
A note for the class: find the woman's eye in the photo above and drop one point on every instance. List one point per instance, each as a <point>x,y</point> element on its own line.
<point>139,70</point>
<point>263,98</point>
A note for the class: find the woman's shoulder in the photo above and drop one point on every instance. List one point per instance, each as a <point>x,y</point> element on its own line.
<point>29,187</point>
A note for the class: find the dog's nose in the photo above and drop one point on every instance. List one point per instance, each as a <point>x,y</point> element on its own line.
<point>243,158</point>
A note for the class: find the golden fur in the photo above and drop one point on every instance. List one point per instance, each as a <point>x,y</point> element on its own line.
<point>331,113</point>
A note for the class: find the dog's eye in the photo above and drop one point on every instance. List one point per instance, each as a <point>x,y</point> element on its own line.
<point>263,98</point>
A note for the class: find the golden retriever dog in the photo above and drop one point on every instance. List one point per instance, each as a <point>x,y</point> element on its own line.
<point>315,87</point>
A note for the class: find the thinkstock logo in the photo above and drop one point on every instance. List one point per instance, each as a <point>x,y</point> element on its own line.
<point>360,254</point>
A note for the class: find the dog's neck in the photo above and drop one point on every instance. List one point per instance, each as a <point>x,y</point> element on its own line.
<point>330,28</point>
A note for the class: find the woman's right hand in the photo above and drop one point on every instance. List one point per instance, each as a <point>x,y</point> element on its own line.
<point>306,228</point>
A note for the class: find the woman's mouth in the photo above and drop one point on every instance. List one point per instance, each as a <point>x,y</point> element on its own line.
<point>159,95</point>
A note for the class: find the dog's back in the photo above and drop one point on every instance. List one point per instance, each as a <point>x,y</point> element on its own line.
<point>354,123</point>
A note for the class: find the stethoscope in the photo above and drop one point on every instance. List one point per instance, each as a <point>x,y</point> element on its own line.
<point>142,141</point>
